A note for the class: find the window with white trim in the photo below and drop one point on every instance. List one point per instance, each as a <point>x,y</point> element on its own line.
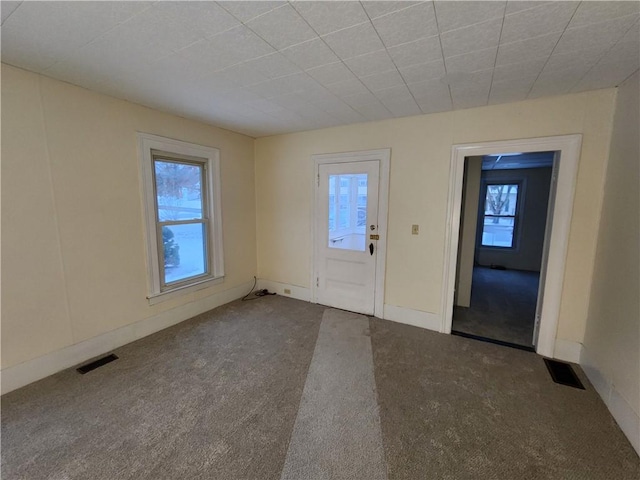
<point>183,215</point>
<point>500,215</point>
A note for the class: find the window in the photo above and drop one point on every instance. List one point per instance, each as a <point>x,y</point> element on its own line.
<point>347,211</point>
<point>183,219</point>
<point>500,214</point>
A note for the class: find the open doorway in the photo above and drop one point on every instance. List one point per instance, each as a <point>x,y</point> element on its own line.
<point>501,248</point>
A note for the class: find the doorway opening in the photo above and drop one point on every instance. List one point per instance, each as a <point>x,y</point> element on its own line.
<point>501,248</point>
<point>567,148</point>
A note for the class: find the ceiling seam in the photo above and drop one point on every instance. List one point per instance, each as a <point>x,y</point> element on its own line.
<point>495,60</point>
<point>391,58</point>
<point>446,74</point>
<point>553,50</point>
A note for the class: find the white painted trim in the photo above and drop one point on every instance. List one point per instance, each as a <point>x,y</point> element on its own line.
<point>569,147</point>
<point>384,157</point>
<point>32,370</point>
<point>625,416</point>
<point>211,157</point>
<point>567,351</point>
<point>417,318</point>
<point>299,293</point>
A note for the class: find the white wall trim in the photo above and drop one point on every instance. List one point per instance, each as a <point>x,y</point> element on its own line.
<point>567,351</point>
<point>30,371</point>
<point>417,318</point>
<point>569,148</point>
<point>299,293</point>
<point>384,157</point>
<point>625,416</point>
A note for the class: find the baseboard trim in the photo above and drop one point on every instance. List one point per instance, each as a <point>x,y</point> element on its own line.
<point>625,416</point>
<point>567,351</point>
<point>299,293</point>
<point>417,318</point>
<point>17,376</point>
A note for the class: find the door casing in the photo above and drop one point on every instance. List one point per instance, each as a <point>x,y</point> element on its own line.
<point>568,147</point>
<point>384,157</point>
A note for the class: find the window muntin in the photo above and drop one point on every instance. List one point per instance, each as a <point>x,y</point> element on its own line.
<point>500,215</point>
<point>181,193</point>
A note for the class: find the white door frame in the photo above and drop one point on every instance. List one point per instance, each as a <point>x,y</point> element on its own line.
<point>384,157</point>
<point>569,148</point>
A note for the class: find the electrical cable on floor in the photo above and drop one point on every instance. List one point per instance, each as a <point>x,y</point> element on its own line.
<point>257,294</point>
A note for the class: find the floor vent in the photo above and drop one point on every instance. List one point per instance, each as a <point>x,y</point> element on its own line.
<point>491,340</point>
<point>563,374</point>
<point>97,363</point>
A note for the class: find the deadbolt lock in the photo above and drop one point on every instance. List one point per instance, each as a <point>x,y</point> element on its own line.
<point>374,237</point>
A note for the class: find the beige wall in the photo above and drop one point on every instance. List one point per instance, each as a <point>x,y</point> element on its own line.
<point>468,227</point>
<point>420,157</point>
<point>612,338</point>
<point>73,251</point>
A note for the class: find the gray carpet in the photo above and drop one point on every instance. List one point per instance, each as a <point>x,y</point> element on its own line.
<point>503,306</point>
<point>337,432</point>
<point>231,395</point>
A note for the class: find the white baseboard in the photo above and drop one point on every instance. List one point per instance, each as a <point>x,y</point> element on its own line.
<point>567,351</point>
<point>299,293</point>
<point>625,416</point>
<point>417,318</point>
<point>30,371</point>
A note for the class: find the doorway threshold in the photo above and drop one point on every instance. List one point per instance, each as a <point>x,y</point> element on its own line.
<point>494,341</point>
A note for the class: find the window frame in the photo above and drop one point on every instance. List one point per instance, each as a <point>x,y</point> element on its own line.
<point>152,147</point>
<point>517,216</point>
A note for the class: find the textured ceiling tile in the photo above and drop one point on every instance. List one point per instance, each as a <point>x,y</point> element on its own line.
<point>471,62</point>
<point>593,12</point>
<point>470,96</point>
<point>282,27</point>
<point>38,34</point>
<point>597,35</point>
<point>518,70</point>
<point>326,17</point>
<point>421,51</point>
<point>380,81</point>
<point>467,81</point>
<point>552,17</point>
<point>377,8</point>
<point>333,73</point>
<point>514,6</point>
<point>399,93</point>
<point>228,48</point>
<point>238,75</point>
<point>374,111</point>
<point>469,39</point>
<point>453,15</point>
<point>273,66</point>
<point>423,71</point>
<point>576,58</point>
<point>347,87</point>
<point>310,54</point>
<point>403,108</point>
<point>430,91</point>
<point>407,25</point>
<point>557,82</point>
<point>517,52</point>
<point>354,41</point>
<point>436,105</point>
<point>7,8</point>
<point>507,95</point>
<point>246,10</point>
<point>208,17</point>
<point>605,75</point>
<point>370,63</point>
<point>360,99</point>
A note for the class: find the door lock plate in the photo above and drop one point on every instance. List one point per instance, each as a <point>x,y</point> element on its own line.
<point>374,237</point>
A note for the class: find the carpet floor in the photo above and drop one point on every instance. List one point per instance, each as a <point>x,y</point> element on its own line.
<point>282,389</point>
<point>503,306</point>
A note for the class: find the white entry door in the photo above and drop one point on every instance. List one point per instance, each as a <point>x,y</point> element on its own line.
<point>347,235</point>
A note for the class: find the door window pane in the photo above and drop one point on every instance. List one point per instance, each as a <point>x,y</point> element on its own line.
<point>347,211</point>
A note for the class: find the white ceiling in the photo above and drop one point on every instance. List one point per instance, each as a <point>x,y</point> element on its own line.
<point>267,67</point>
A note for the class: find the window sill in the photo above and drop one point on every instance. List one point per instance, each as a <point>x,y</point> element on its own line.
<point>156,298</point>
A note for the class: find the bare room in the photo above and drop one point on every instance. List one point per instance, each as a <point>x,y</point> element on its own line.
<point>250,240</point>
